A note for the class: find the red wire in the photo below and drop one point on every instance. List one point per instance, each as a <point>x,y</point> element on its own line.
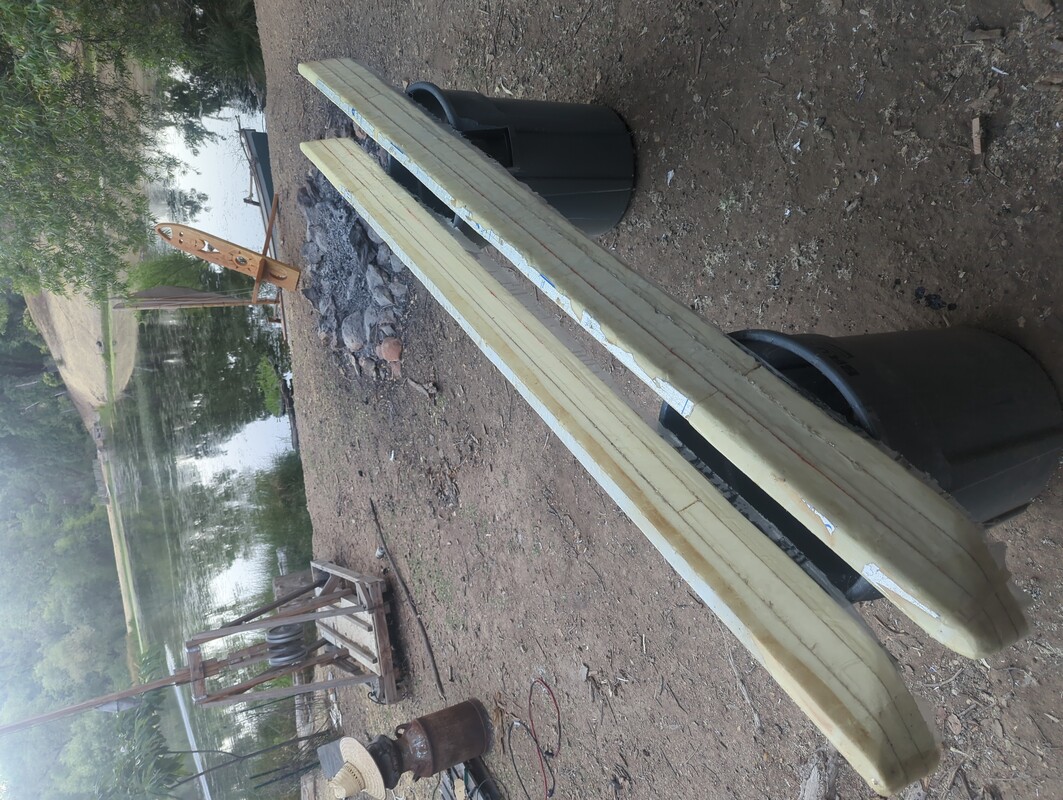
<point>557,711</point>
<point>547,790</point>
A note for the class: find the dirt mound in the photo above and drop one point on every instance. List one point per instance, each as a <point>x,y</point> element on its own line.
<point>73,329</point>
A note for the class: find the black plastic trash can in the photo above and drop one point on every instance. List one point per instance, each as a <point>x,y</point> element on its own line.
<point>971,409</point>
<point>579,158</point>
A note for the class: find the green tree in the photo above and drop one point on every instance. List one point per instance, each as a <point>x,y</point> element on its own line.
<point>280,510</point>
<point>78,132</point>
<point>74,149</point>
<point>226,54</point>
<point>62,622</point>
<point>270,384</point>
<point>172,268</point>
<point>185,205</point>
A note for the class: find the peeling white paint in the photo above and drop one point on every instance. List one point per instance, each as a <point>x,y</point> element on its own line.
<point>880,580</point>
<point>549,288</point>
<point>826,522</point>
<point>676,399</point>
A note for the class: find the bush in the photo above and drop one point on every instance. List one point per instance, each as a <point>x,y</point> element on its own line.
<point>270,384</point>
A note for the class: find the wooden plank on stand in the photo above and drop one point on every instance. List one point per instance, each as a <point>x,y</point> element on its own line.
<point>363,631</point>
<point>374,598</point>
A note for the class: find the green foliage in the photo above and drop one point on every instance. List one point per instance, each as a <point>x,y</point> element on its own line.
<point>269,383</point>
<point>142,764</point>
<point>226,51</point>
<point>119,32</point>
<point>171,268</point>
<point>280,510</point>
<point>185,205</point>
<point>123,755</point>
<point>74,149</point>
<point>31,326</point>
<point>62,621</point>
<point>78,129</point>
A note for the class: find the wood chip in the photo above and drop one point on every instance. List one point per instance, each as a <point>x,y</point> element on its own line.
<point>983,34</point>
<point>954,724</point>
<point>984,101</point>
<point>419,387</point>
<point>976,135</point>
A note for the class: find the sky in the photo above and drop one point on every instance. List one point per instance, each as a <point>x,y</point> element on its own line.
<point>221,170</point>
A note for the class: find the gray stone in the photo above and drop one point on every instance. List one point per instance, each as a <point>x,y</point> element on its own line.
<point>374,237</point>
<point>351,331</point>
<point>319,236</point>
<point>356,236</point>
<point>375,278</point>
<point>383,255</point>
<point>396,264</point>
<point>327,337</point>
<point>362,255</point>
<point>306,197</point>
<point>382,296</point>
<point>339,214</point>
<point>326,307</point>
<point>369,319</point>
<point>311,254</point>
<point>341,129</point>
<point>399,291</point>
<point>326,323</point>
<point>373,317</point>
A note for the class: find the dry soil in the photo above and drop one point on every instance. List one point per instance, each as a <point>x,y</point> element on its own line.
<point>803,166</point>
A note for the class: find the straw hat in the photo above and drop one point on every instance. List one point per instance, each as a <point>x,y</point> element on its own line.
<point>360,772</point>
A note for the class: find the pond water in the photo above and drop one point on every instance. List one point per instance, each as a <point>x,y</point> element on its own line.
<point>212,504</point>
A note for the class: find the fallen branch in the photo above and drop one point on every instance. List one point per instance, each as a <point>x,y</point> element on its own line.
<point>409,599</point>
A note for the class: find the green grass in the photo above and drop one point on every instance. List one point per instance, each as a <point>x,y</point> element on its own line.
<point>135,643</point>
<point>269,383</point>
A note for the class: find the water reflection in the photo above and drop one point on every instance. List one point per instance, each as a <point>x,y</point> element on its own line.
<point>210,495</point>
<point>259,442</point>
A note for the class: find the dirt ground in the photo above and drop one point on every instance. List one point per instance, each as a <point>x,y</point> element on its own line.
<point>803,166</point>
<point>72,327</point>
